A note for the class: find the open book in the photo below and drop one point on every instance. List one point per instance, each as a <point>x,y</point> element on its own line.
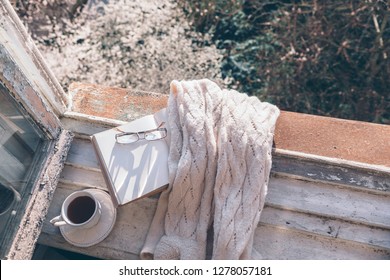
<point>133,170</point>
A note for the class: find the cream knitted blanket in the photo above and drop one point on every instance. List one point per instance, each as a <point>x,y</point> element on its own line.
<point>219,164</point>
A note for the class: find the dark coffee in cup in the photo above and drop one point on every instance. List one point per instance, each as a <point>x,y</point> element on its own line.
<point>81,209</point>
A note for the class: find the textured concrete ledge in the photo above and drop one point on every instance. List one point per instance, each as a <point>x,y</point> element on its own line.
<point>322,136</point>
<point>335,138</point>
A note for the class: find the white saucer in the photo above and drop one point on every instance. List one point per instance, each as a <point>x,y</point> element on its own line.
<point>97,233</point>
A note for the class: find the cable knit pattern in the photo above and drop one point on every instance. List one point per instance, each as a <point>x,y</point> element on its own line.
<point>219,164</point>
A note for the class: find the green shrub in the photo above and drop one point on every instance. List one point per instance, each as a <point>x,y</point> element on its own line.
<point>320,57</point>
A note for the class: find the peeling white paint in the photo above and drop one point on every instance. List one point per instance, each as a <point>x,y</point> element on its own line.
<point>23,51</point>
<point>23,92</point>
<point>333,178</point>
<point>368,181</point>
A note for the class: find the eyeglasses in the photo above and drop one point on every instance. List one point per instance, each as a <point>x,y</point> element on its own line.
<point>150,135</point>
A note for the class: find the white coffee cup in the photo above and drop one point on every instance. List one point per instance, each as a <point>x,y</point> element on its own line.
<point>80,209</point>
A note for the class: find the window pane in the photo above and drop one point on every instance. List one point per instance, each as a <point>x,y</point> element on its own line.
<point>21,149</point>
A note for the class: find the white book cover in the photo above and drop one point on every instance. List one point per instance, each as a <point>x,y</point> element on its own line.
<point>133,170</point>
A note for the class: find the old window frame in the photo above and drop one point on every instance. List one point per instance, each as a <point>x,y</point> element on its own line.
<point>31,84</point>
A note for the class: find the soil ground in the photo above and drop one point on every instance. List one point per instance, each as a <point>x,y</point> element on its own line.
<point>141,44</point>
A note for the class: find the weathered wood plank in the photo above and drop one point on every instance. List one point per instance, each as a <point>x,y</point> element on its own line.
<point>282,244</point>
<point>87,125</point>
<point>346,173</point>
<point>88,176</point>
<point>82,153</point>
<point>326,226</point>
<point>329,200</point>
